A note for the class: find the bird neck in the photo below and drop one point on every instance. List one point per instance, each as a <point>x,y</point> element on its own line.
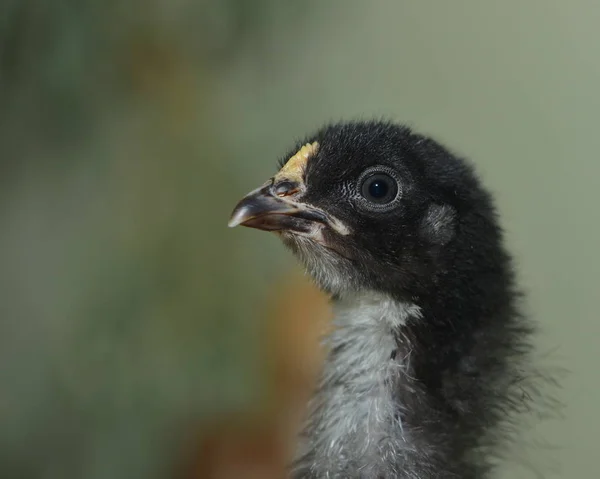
<point>354,413</point>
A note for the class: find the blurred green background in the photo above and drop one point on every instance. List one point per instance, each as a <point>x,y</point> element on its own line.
<point>128,130</point>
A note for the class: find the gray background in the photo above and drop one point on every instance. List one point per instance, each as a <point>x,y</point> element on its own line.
<point>128,132</point>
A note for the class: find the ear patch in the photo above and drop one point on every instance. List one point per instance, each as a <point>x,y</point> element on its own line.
<point>295,167</point>
<point>438,224</point>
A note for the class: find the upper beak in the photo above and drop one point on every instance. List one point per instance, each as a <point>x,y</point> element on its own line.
<point>264,210</point>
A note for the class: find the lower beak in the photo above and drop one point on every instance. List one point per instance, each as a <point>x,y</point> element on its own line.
<point>264,210</point>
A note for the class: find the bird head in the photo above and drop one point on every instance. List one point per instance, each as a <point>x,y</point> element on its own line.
<point>364,205</point>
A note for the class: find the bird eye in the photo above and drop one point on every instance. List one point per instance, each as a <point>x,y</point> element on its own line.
<point>379,188</point>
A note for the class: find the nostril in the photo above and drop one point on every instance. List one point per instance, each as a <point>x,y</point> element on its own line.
<point>286,188</point>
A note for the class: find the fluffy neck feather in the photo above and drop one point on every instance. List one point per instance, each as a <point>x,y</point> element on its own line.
<point>355,423</point>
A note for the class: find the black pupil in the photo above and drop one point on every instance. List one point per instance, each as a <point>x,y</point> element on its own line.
<point>379,189</point>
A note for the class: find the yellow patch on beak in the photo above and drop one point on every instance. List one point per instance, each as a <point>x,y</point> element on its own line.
<point>295,167</point>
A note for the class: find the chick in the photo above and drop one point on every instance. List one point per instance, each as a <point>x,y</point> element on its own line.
<point>426,352</point>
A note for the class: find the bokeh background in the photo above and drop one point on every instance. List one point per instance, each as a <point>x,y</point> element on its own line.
<point>141,338</point>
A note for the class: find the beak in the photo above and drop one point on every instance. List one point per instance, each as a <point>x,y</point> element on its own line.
<point>265,210</point>
<point>275,206</point>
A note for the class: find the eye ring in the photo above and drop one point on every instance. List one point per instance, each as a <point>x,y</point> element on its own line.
<point>379,188</point>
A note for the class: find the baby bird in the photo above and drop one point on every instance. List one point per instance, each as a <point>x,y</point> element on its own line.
<point>425,361</point>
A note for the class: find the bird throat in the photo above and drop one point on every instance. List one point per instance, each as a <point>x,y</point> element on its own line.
<point>354,419</point>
